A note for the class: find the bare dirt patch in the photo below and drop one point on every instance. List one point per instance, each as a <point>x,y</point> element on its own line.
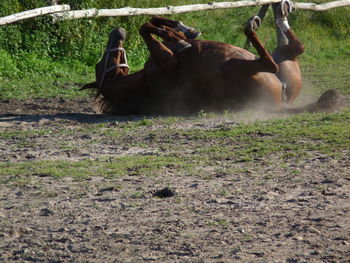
<point>50,106</point>
<point>226,211</point>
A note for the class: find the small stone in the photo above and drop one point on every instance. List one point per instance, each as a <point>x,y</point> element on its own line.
<point>315,230</point>
<point>300,238</point>
<point>328,193</point>
<point>45,212</point>
<point>327,181</point>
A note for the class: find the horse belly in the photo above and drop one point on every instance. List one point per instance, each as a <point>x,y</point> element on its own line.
<point>267,90</point>
<point>290,74</point>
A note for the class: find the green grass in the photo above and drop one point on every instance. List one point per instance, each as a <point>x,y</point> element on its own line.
<point>194,151</point>
<point>297,136</point>
<point>326,74</point>
<point>38,78</point>
<point>111,167</point>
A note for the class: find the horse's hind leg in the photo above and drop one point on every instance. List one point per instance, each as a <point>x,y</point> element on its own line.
<point>261,14</point>
<point>288,49</point>
<point>277,9</point>
<point>288,45</point>
<point>264,87</point>
<point>265,63</point>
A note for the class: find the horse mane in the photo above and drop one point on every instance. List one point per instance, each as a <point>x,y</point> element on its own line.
<point>101,103</point>
<point>104,105</point>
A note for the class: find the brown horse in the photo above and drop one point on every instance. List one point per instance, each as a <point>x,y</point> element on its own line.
<point>184,75</point>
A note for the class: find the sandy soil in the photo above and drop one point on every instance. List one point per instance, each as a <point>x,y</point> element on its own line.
<point>300,212</point>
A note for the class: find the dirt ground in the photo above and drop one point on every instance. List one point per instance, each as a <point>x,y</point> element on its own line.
<point>299,213</point>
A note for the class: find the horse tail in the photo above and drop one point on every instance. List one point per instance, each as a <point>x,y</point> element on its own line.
<point>329,101</point>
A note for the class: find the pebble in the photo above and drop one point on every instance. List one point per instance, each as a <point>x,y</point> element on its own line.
<point>300,238</point>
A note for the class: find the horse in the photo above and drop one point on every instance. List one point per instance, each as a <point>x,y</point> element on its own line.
<point>184,75</point>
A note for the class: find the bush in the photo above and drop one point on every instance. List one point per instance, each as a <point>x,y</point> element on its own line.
<point>8,66</point>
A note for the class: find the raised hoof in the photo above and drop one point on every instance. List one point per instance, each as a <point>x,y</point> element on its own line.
<point>180,46</point>
<point>116,37</point>
<point>282,11</point>
<point>285,8</point>
<point>190,32</point>
<point>253,24</point>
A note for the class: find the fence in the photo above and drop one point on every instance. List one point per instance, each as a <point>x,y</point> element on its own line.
<point>62,12</point>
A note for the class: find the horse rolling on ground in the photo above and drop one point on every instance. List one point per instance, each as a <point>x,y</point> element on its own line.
<point>184,75</point>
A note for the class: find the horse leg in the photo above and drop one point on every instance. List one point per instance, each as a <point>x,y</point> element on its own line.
<point>278,8</point>
<point>288,49</point>
<point>264,63</point>
<point>163,53</point>
<point>264,87</point>
<point>287,42</point>
<point>189,32</point>
<point>261,14</point>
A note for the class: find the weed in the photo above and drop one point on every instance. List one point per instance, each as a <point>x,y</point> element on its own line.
<point>224,193</point>
<point>136,195</point>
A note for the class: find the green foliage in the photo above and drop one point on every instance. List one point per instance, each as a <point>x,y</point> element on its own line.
<point>8,66</point>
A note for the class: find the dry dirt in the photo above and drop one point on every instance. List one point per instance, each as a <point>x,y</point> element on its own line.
<point>224,217</point>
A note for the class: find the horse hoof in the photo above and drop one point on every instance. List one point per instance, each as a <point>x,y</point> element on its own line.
<point>190,32</point>
<point>286,8</point>
<point>180,46</point>
<point>253,23</point>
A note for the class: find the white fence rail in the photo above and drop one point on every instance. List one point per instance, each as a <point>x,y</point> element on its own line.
<point>169,10</point>
<point>33,13</point>
<point>61,12</point>
<point>321,7</point>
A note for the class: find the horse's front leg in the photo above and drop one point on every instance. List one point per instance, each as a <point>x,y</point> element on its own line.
<point>163,52</point>
<point>159,52</point>
<point>189,32</point>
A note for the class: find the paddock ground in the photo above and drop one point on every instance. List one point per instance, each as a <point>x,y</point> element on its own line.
<point>220,209</point>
